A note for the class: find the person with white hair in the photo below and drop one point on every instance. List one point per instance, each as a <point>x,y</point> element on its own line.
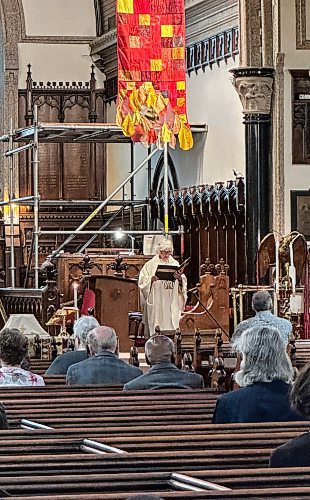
<point>162,295</point>
<point>103,366</point>
<point>264,378</point>
<point>81,329</point>
<point>160,355</point>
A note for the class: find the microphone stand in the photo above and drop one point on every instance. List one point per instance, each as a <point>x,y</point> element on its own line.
<point>194,292</point>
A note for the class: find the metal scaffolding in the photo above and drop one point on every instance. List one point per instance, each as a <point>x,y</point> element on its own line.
<point>63,133</point>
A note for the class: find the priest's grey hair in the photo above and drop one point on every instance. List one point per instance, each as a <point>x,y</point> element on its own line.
<point>164,244</point>
<point>159,349</point>
<point>83,326</point>
<point>264,357</point>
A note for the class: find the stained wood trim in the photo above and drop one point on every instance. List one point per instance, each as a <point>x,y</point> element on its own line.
<point>302,43</point>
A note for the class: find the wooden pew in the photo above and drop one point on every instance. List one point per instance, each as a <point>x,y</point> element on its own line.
<point>54,380</point>
<point>290,493</point>
<point>302,355</point>
<point>27,458</point>
<point>159,483</point>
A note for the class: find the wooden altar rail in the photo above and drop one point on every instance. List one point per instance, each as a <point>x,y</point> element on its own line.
<point>41,302</point>
<point>213,218</point>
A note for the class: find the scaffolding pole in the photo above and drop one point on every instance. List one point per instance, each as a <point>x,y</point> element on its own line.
<point>17,200</point>
<point>113,231</point>
<point>11,188</point>
<point>12,152</point>
<point>36,198</point>
<point>166,191</point>
<point>99,208</point>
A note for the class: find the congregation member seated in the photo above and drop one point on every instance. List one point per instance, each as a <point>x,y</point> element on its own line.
<point>160,355</point>
<point>103,367</point>
<point>262,306</point>
<point>265,376</point>
<point>296,452</point>
<point>81,329</point>
<point>13,349</point>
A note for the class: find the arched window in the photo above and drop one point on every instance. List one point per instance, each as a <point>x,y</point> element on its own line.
<point>158,179</point>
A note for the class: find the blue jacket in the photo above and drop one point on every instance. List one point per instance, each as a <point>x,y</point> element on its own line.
<point>61,364</point>
<point>294,453</point>
<point>104,368</point>
<point>164,375</point>
<point>259,402</point>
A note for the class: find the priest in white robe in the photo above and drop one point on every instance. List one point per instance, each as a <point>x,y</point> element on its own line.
<point>162,301</point>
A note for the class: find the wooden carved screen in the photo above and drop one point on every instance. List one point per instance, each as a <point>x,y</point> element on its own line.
<point>66,171</point>
<point>213,219</point>
<point>300,117</point>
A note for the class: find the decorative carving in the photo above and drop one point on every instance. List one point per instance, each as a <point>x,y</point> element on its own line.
<point>207,267</point>
<point>255,93</point>
<point>212,50</point>
<point>251,34</point>
<point>222,268</point>
<point>86,265</point>
<point>116,294</point>
<point>48,271</point>
<point>118,266</point>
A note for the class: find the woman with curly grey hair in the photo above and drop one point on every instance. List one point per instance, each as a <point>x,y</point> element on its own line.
<point>264,378</point>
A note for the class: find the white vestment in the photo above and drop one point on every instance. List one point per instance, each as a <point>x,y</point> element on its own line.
<point>161,301</point>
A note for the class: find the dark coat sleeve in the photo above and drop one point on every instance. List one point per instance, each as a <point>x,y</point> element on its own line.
<point>69,377</point>
<point>3,420</point>
<point>220,415</point>
<point>56,368</point>
<point>282,457</point>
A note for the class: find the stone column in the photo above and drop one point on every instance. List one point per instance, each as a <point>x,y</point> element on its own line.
<point>254,86</point>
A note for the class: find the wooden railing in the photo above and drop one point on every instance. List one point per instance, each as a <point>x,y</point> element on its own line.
<point>41,302</point>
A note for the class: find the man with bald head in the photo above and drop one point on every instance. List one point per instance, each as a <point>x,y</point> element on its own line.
<point>103,367</point>
<point>160,355</point>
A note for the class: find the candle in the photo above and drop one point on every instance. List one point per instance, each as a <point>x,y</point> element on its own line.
<point>240,303</point>
<point>277,267</point>
<point>75,298</point>
<point>292,270</point>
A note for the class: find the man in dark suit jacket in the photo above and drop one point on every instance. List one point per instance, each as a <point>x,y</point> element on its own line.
<point>259,402</point>
<point>264,378</point>
<point>296,452</point>
<point>103,367</point>
<point>159,353</point>
<point>81,329</point>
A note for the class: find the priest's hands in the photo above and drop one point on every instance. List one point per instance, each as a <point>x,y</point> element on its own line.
<point>154,278</point>
<point>178,276</point>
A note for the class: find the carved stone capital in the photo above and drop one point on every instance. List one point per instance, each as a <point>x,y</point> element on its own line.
<point>255,87</point>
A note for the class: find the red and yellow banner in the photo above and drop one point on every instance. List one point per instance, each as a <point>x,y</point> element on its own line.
<point>151,71</point>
